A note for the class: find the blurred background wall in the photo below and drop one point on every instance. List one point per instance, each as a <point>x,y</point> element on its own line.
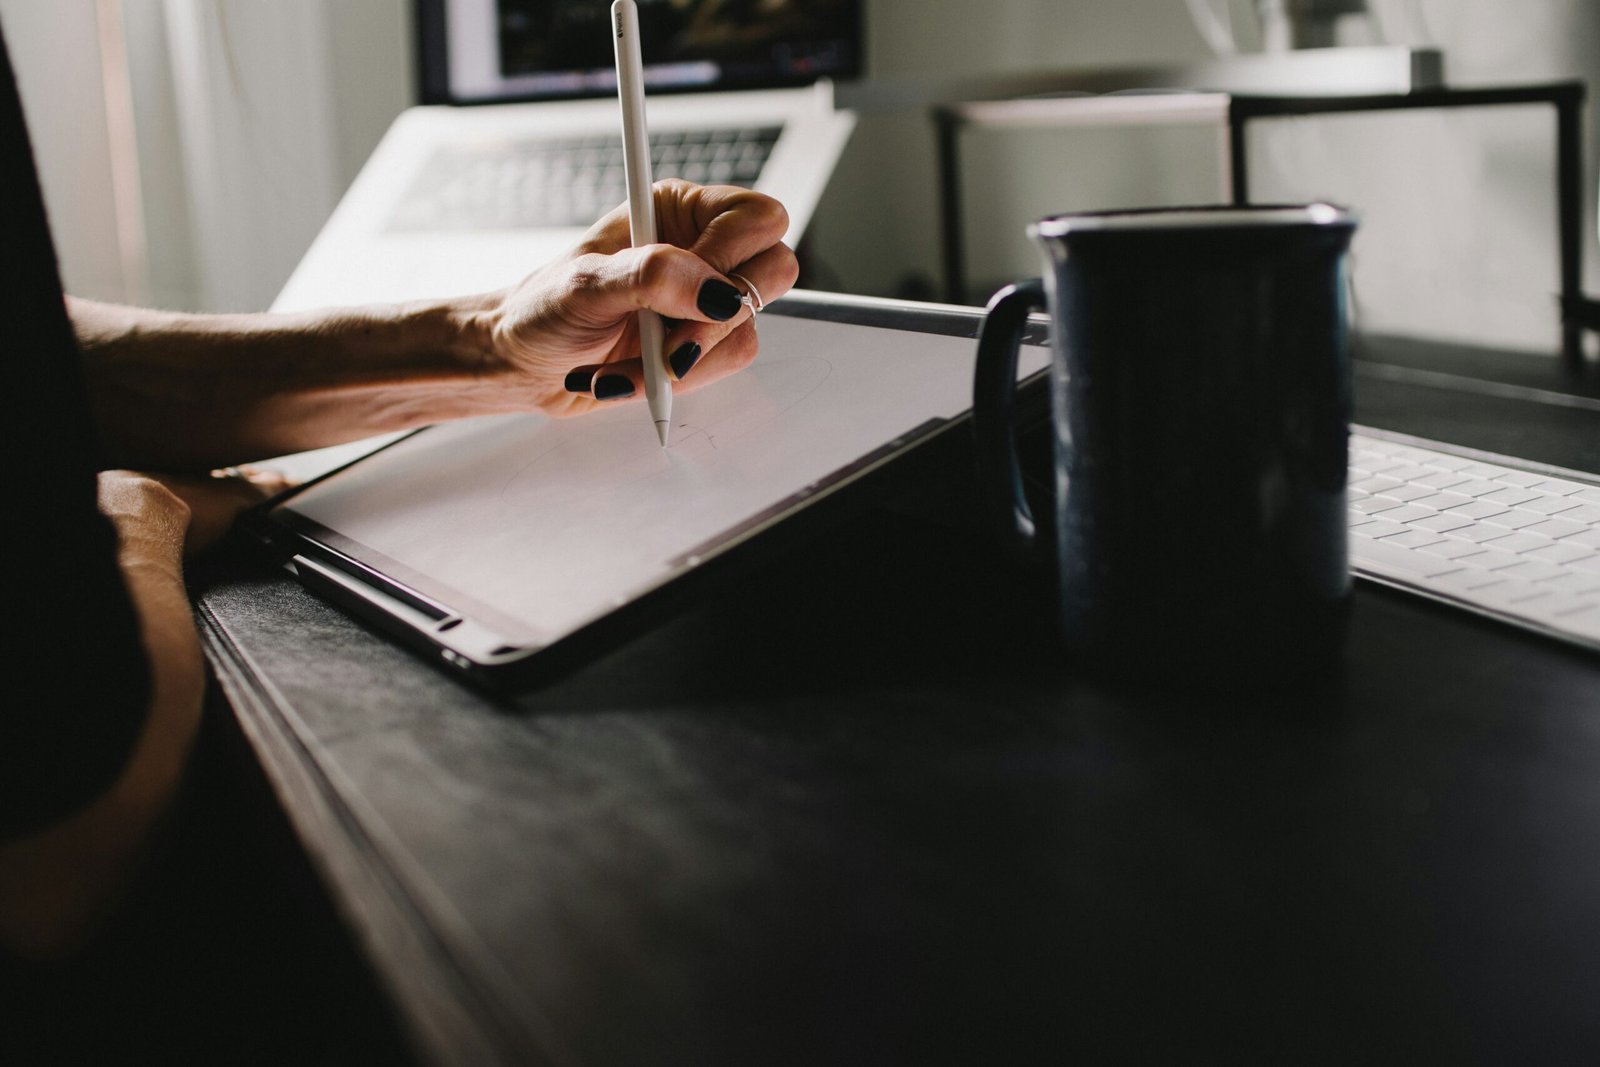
<point>250,119</point>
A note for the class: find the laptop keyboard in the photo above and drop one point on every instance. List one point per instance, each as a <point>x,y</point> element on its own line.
<point>571,181</point>
<point>1489,534</point>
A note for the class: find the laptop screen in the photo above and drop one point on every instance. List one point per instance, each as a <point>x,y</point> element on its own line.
<point>490,51</point>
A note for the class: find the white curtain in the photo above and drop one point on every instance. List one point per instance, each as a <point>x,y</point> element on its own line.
<point>189,158</point>
<point>257,131</point>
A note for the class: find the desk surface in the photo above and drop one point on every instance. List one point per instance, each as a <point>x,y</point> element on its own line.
<point>889,824</point>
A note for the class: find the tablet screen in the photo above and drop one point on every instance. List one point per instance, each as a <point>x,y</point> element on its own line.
<point>534,526</point>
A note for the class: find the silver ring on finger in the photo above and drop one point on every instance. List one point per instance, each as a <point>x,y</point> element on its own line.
<point>753,297</point>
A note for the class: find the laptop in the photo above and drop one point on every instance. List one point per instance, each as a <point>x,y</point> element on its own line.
<point>516,147</point>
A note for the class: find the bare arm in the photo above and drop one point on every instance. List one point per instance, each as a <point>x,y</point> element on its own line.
<point>178,391</point>
<point>58,883</point>
<point>175,391</point>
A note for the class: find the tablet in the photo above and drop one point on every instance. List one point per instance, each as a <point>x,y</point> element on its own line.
<point>490,542</point>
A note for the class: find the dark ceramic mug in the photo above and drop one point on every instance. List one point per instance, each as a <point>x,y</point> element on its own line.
<point>1200,406</point>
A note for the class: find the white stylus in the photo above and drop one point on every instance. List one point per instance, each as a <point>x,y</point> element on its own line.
<point>641,201</point>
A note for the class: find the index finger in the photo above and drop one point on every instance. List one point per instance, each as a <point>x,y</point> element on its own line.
<point>724,224</point>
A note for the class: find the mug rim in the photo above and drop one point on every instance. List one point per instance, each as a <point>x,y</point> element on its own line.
<point>1200,217</point>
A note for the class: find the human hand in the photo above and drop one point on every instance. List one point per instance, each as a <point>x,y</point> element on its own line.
<point>181,515</point>
<point>570,330</point>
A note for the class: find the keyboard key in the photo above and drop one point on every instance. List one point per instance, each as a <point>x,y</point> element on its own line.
<point>1451,549</point>
<point>1378,527</point>
<point>1562,552</point>
<point>1391,559</point>
<point>1589,513</point>
<point>1475,487</point>
<point>1478,509</point>
<point>1482,531</point>
<point>1492,559</point>
<point>1557,527</point>
<point>1533,570</point>
<point>1371,505</point>
<point>1443,523</point>
<point>1443,479</point>
<point>1410,454</point>
<point>1406,472</point>
<point>1589,539</point>
<point>1548,504</point>
<point>1520,541</point>
<point>1515,519</point>
<point>1554,610</point>
<point>1408,492</point>
<point>1559,486</point>
<point>1377,483</point>
<point>1414,539</point>
<point>1576,583</point>
<point>1588,496</point>
<point>1510,495</point>
<point>1518,593</point>
<point>1407,513</point>
<point>1442,501</point>
<point>1466,580</point>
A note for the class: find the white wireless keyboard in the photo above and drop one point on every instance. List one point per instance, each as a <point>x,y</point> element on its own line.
<point>1515,540</point>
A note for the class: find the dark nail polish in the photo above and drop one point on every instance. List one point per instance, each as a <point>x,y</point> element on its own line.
<point>577,381</point>
<point>613,387</point>
<point>719,300</point>
<point>687,355</point>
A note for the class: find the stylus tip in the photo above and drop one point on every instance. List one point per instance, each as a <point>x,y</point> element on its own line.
<point>661,431</point>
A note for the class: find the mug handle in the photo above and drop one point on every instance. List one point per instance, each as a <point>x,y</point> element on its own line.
<point>994,389</point>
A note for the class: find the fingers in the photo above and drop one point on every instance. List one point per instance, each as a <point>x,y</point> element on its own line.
<point>770,274</point>
<point>250,484</point>
<point>706,234</point>
<point>602,384</point>
<point>617,380</point>
<point>711,349</point>
<point>722,224</point>
<point>725,228</point>
<point>726,225</point>
<point>662,278</point>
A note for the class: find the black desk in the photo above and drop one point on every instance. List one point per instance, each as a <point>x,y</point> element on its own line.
<point>850,806</point>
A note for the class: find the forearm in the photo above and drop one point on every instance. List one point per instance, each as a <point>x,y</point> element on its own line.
<point>58,883</point>
<point>187,392</point>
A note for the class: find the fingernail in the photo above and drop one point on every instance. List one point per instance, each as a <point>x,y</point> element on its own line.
<point>719,300</point>
<point>578,381</point>
<point>613,387</point>
<point>687,355</point>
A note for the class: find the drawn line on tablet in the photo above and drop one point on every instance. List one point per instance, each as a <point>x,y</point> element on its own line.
<point>593,456</point>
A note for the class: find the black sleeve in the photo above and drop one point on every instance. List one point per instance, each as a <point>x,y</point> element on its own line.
<point>77,682</point>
